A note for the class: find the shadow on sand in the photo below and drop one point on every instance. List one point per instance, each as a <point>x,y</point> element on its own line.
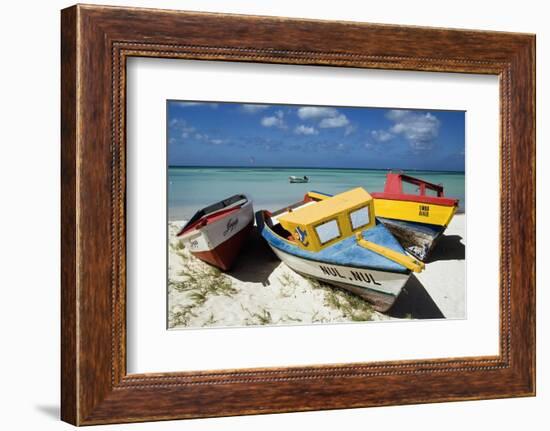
<point>415,302</point>
<point>256,260</point>
<point>449,247</point>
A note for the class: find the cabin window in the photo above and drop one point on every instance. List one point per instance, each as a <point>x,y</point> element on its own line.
<point>328,231</point>
<point>359,218</point>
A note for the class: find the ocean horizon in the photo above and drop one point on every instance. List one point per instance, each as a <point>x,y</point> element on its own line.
<point>191,188</point>
<point>314,167</point>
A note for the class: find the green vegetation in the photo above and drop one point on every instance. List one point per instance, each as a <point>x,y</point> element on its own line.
<point>180,316</point>
<point>263,318</point>
<point>288,285</point>
<point>351,306</point>
<point>196,282</point>
<point>286,318</point>
<point>178,245</point>
<point>211,321</point>
<point>200,281</point>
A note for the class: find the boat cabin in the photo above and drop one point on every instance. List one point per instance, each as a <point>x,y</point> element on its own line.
<point>321,223</point>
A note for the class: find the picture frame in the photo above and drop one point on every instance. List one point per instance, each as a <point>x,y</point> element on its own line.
<point>96,41</point>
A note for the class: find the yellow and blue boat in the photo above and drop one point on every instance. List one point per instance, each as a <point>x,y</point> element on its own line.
<point>416,220</point>
<point>336,239</point>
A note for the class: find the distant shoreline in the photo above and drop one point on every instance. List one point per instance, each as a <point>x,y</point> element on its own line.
<point>312,167</point>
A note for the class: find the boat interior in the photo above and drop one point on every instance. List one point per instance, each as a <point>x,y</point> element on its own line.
<point>273,219</point>
<point>226,204</point>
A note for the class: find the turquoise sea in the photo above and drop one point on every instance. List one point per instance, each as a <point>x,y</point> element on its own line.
<point>192,188</point>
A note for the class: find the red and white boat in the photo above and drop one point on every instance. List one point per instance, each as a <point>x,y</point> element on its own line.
<point>216,233</point>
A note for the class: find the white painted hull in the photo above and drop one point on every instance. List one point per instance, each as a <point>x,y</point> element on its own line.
<point>381,288</point>
<point>213,234</point>
<point>298,179</point>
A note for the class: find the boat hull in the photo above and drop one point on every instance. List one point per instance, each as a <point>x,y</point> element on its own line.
<point>219,242</point>
<point>380,288</point>
<point>298,179</point>
<point>225,254</point>
<point>417,239</point>
<point>419,211</point>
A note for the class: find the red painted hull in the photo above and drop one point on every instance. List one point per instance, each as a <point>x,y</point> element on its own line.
<point>224,255</point>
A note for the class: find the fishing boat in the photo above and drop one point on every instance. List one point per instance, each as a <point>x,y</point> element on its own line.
<point>418,219</point>
<point>216,233</point>
<point>294,179</point>
<point>336,239</point>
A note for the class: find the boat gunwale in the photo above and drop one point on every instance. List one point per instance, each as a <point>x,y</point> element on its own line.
<point>432,200</point>
<point>235,207</point>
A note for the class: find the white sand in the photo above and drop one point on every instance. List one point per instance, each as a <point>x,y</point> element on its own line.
<point>261,290</point>
<point>445,275</point>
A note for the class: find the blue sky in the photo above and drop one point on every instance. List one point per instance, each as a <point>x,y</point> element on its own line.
<point>236,134</point>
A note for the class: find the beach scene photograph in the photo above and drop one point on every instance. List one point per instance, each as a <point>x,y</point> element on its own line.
<point>300,215</point>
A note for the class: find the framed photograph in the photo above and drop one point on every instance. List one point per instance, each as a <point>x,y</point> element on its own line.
<point>259,216</point>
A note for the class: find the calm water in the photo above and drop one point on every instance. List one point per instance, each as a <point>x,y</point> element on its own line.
<point>191,188</point>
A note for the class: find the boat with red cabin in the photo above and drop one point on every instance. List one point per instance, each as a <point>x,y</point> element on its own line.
<point>216,234</point>
<point>416,220</point>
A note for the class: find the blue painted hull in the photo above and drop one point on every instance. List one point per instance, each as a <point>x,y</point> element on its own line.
<point>346,264</point>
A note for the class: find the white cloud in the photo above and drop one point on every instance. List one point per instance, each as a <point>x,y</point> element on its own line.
<point>270,121</point>
<point>181,128</point>
<point>339,121</point>
<point>419,129</point>
<point>381,135</point>
<point>305,130</point>
<point>397,114</point>
<point>276,120</point>
<point>185,131</point>
<point>252,109</point>
<point>329,117</point>
<point>350,129</point>
<point>309,112</point>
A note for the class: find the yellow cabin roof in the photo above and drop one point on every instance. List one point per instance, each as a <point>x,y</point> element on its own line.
<point>326,208</point>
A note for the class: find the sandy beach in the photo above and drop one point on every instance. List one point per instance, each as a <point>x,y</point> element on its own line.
<point>261,290</point>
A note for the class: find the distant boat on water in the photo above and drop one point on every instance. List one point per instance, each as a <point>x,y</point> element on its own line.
<point>336,239</point>
<point>216,233</point>
<point>294,179</point>
<point>416,220</point>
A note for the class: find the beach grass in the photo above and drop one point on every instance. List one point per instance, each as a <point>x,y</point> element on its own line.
<point>351,306</point>
<point>289,284</point>
<point>200,282</point>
